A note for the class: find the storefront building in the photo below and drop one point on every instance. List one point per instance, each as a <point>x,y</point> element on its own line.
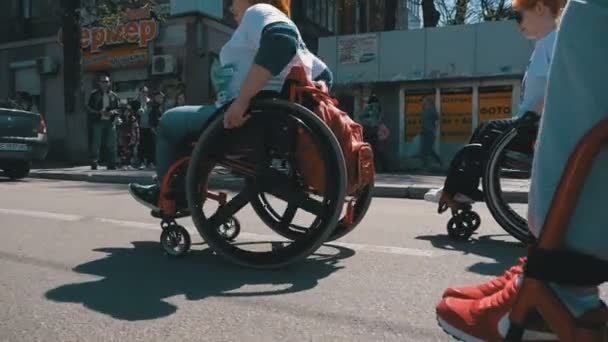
<point>161,54</point>
<point>473,72</point>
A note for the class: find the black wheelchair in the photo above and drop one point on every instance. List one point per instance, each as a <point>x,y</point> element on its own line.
<point>509,157</point>
<point>264,154</point>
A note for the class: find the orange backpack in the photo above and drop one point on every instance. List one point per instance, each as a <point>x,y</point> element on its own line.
<point>358,154</point>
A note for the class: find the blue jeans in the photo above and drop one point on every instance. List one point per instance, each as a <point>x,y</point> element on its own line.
<point>104,135</point>
<point>575,103</point>
<point>178,127</point>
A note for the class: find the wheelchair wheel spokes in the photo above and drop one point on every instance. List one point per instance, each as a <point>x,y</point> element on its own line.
<point>356,208</point>
<point>239,166</point>
<point>227,211</point>
<point>267,171</point>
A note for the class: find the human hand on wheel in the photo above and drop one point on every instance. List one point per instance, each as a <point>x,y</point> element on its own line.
<point>235,115</point>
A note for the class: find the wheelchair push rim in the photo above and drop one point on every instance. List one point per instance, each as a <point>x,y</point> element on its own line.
<point>510,221</point>
<point>262,177</point>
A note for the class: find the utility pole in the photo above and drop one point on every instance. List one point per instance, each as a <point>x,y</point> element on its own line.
<point>76,120</point>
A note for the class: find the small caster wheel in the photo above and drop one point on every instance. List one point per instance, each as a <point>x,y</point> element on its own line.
<point>472,219</point>
<point>175,240</point>
<point>166,224</point>
<point>458,229</point>
<point>231,229</point>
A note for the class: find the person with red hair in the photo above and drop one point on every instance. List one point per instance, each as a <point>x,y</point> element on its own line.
<point>263,49</point>
<point>575,103</point>
<point>537,20</point>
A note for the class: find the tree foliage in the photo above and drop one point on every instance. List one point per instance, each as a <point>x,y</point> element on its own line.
<point>111,13</point>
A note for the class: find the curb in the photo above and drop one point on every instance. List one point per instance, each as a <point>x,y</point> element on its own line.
<point>380,190</point>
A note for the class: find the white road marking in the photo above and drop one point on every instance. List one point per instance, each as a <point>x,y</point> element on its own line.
<point>248,236</point>
<point>42,214</point>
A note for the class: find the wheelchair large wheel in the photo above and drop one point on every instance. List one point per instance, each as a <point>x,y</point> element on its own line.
<point>502,160</point>
<point>262,151</point>
<point>361,202</point>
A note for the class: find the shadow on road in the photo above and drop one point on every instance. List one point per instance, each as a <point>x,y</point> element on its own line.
<point>136,281</point>
<point>504,253</point>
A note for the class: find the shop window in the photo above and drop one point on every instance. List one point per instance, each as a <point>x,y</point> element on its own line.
<point>456,115</point>
<point>413,112</point>
<point>321,12</point>
<point>495,103</point>
<point>27,80</point>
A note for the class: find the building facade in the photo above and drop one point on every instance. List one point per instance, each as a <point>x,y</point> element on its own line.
<point>141,51</point>
<point>472,71</point>
<point>323,18</point>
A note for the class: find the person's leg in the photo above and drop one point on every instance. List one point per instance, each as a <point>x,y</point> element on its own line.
<point>175,128</point>
<point>178,127</point>
<point>141,154</point>
<point>463,178</point>
<point>575,84</point>
<point>97,131</point>
<point>111,142</point>
<point>152,146</point>
<point>575,104</point>
<point>146,146</point>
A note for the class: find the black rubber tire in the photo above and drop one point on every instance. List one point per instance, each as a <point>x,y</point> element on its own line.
<point>459,229</point>
<point>472,218</point>
<point>180,231</point>
<point>18,170</point>
<point>233,231</point>
<point>506,217</point>
<point>333,198</point>
<point>362,204</point>
<point>271,218</point>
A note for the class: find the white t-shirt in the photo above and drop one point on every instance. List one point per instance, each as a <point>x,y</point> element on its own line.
<point>534,83</point>
<point>238,55</point>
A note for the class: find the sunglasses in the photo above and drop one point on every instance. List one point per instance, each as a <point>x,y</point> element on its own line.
<point>517,16</point>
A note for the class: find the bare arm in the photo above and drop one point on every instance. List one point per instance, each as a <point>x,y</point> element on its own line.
<point>256,80</point>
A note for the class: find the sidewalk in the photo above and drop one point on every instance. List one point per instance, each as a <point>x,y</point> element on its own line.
<point>387,185</point>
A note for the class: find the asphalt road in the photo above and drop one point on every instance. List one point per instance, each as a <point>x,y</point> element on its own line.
<point>82,262</point>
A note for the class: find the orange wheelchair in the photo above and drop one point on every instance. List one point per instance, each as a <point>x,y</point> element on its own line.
<point>549,262</point>
<point>272,155</point>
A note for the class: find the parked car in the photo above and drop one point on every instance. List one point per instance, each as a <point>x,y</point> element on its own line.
<point>23,139</point>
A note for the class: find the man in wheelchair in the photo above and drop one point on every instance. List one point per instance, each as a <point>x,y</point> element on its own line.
<point>571,266</point>
<point>537,21</point>
<point>257,58</point>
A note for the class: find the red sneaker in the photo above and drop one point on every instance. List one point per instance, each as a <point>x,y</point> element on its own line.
<point>489,288</point>
<point>484,319</point>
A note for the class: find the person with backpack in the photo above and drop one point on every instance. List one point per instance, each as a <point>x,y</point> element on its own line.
<point>259,56</point>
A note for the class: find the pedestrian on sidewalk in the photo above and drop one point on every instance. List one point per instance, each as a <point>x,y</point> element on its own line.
<point>149,114</point>
<point>371,120</point>
<point>102,108</point>
<point>129,134</point>
<point>430,117</point>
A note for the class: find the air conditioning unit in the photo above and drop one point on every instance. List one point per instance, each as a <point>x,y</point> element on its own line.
<point>163,64</point>
<point>46,65</point>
